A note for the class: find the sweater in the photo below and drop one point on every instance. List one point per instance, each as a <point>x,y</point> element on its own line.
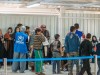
<point>38,40</point>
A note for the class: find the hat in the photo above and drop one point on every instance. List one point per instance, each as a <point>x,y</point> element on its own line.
<point>23,28</point>
<point>43,26</point>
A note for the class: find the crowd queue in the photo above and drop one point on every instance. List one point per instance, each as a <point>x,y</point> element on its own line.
<point>22,44</point>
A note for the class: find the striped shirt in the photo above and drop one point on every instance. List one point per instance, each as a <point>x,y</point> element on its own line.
<point>38,40</point>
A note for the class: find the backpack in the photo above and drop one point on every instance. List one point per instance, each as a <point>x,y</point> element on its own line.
<point>55,45</point>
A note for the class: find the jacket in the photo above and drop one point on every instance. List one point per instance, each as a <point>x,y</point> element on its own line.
<point>98,49</point>
<point>85,48</point>
<point>46,34</point>
<point>79,33</point>
<point>72,43</point>
<point>20,42</point>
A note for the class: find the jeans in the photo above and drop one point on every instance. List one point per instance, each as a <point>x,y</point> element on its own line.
<point>17,65</point>
<point>56,62</point>
<point>98,73</point>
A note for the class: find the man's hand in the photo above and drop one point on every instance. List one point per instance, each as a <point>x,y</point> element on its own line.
<point>31,47</point>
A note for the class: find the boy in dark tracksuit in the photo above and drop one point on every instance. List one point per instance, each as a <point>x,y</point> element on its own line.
<point>86,50</point>
<point>98,53</point>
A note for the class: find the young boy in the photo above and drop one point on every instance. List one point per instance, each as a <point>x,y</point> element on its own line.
<point>56,53</point>
<point>86,50</point>
<point>64,63</point>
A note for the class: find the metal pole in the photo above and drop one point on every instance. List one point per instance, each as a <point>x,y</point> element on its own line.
<point>5,66</point>
<point>95,65</point>
<point>60,25</point>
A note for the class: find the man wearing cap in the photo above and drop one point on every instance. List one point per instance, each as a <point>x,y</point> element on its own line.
<point>45,46</point>
<point>20,50</point>
<point>45,32</point>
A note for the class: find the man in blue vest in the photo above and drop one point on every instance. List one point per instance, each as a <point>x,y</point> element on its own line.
<point>20,50</point>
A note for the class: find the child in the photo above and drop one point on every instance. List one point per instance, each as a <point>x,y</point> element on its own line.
<point>64,64</point>
<point>31,64</point>
<point>56,54</point>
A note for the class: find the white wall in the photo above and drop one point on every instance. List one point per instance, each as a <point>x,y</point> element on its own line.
<point>31,20</point>
<point>88,22</point>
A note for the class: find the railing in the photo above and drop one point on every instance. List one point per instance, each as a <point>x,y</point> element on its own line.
<point>50,59</point>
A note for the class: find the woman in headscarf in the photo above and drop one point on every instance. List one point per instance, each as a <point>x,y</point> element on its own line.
<point>94,48</point>
<point>9,43</point>
<point>94,43</point>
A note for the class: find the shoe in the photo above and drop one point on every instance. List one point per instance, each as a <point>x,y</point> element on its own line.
<point>42,73</point>
<point>14,71</point>
<point>70,74</point>
<point>32,70</point>
<point>54,72</point>
<point>36,73</point>
<point>22,72</point>
<point>59,73</point>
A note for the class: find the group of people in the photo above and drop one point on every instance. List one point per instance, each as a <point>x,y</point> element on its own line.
<point>77,44</point>
<point>21,44</point>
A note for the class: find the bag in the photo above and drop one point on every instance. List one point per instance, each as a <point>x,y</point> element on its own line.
<point>56,45</point>
<point>46,42</point>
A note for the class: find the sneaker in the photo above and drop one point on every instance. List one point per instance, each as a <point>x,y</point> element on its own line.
<point>14,71</point>
<point>54,72</point>
<point>42,73</point>
<point>22,72</point>
<point>64,69</point>
<point>59,73</point>
<point>32,70</point>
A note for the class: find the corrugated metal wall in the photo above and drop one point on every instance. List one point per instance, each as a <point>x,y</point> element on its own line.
<point>31,20</point>
<point>89,23</point>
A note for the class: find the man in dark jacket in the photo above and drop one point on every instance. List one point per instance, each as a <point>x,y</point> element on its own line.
<point>86,50</point>
<point>98,53</point>
<point>45,47</point>
<point>72,44</point>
